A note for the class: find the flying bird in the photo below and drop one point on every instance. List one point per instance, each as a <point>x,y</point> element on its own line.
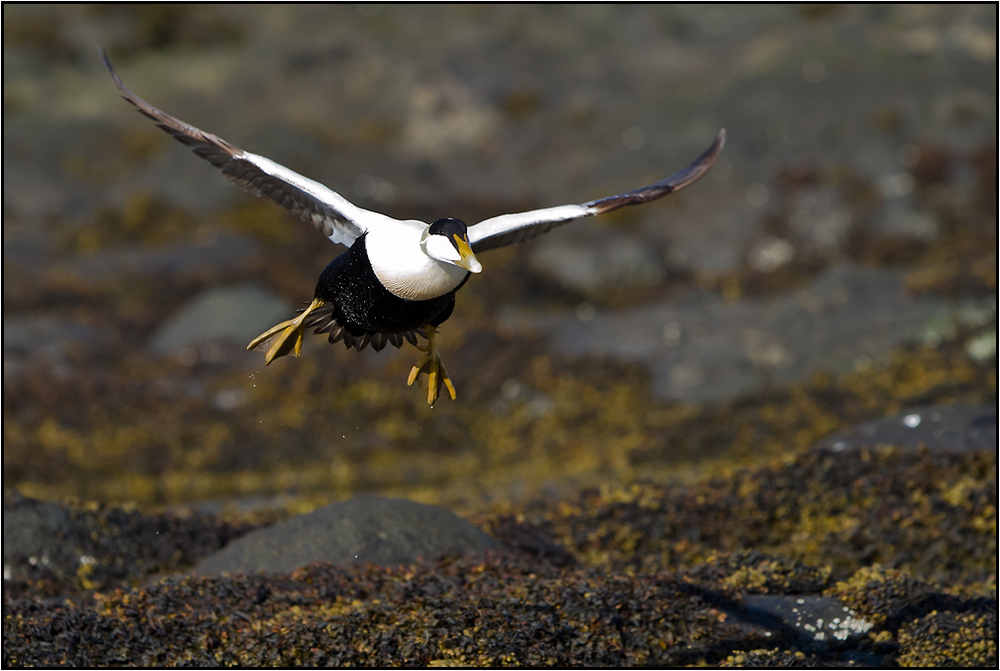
<point>397,280</point>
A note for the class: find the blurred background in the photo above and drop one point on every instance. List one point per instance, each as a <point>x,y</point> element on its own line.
<point>837,265</point>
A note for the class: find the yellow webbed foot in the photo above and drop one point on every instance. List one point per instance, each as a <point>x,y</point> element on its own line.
<point>431,364</point>
<point>284,338</point>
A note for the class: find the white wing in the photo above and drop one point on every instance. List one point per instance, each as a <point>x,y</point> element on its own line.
<point>310,201</point>
<point>508,229</point>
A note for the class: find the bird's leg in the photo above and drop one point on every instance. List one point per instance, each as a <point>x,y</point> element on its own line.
<point>286,337</point>
<point>430,363</point>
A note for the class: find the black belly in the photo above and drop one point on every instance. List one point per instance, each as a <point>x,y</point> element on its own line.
<point>359,310</point>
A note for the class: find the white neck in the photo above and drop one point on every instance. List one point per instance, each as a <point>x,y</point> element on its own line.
<point>402,266</point>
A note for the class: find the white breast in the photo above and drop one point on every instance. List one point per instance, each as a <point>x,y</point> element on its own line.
<point>402,266</point>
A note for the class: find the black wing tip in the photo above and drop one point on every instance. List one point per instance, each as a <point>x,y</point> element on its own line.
<point>107,63</point>
<point>716,148</point>
<point>721,137</point>
<point>699,167</point>
<point>709,156</point>
<point>180,130</point>
<point>127,93</point>
<point>679,180</point>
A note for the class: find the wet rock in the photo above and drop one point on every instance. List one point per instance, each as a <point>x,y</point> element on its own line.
<point>947,428</point>
<point>362,530</point>
<point>932,624</point>
<point>816,618</point>
<point>52,548</point>
<point>819,628</point>
<point>702,349</point>
<point>31,532</point>
<point>236,314</point>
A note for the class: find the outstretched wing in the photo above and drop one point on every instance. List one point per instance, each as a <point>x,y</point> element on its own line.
<point>310,201</point>
<point>510,228</point>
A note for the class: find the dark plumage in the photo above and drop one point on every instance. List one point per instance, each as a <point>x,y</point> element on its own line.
<point>360,311</point>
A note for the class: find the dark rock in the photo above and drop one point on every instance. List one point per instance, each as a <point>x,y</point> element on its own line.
<point>701,349</point>
<point>52,548</point>
<point>362,530</point>
<point>890,599</point>
<point>235,313</point>
<point>818,618</point>
<point>943,428</point>
<point>31,531</point>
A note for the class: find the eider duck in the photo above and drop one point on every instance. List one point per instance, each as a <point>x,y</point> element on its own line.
<point>397,280</point>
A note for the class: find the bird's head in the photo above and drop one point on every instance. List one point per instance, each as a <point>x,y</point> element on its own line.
<point>447,240</point>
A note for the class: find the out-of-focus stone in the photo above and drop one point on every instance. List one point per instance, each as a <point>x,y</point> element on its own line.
<point>235,313</point>
<point>362,530</point>
<point>943,428</point>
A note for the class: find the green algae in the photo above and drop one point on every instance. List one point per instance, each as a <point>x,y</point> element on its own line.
<point>774,658</point>
<point>155,433</point>
<point>922,624</point>
<point>639,575</point>
<point>827,513</point>
<point>79,547</point>
<point>501,611</point>
<point>329,425</point>
<point>949,639</point>
<point>506,609</point>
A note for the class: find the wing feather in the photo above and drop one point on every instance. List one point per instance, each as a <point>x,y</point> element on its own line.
<point>508,229</point>
<point>335,216</point>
